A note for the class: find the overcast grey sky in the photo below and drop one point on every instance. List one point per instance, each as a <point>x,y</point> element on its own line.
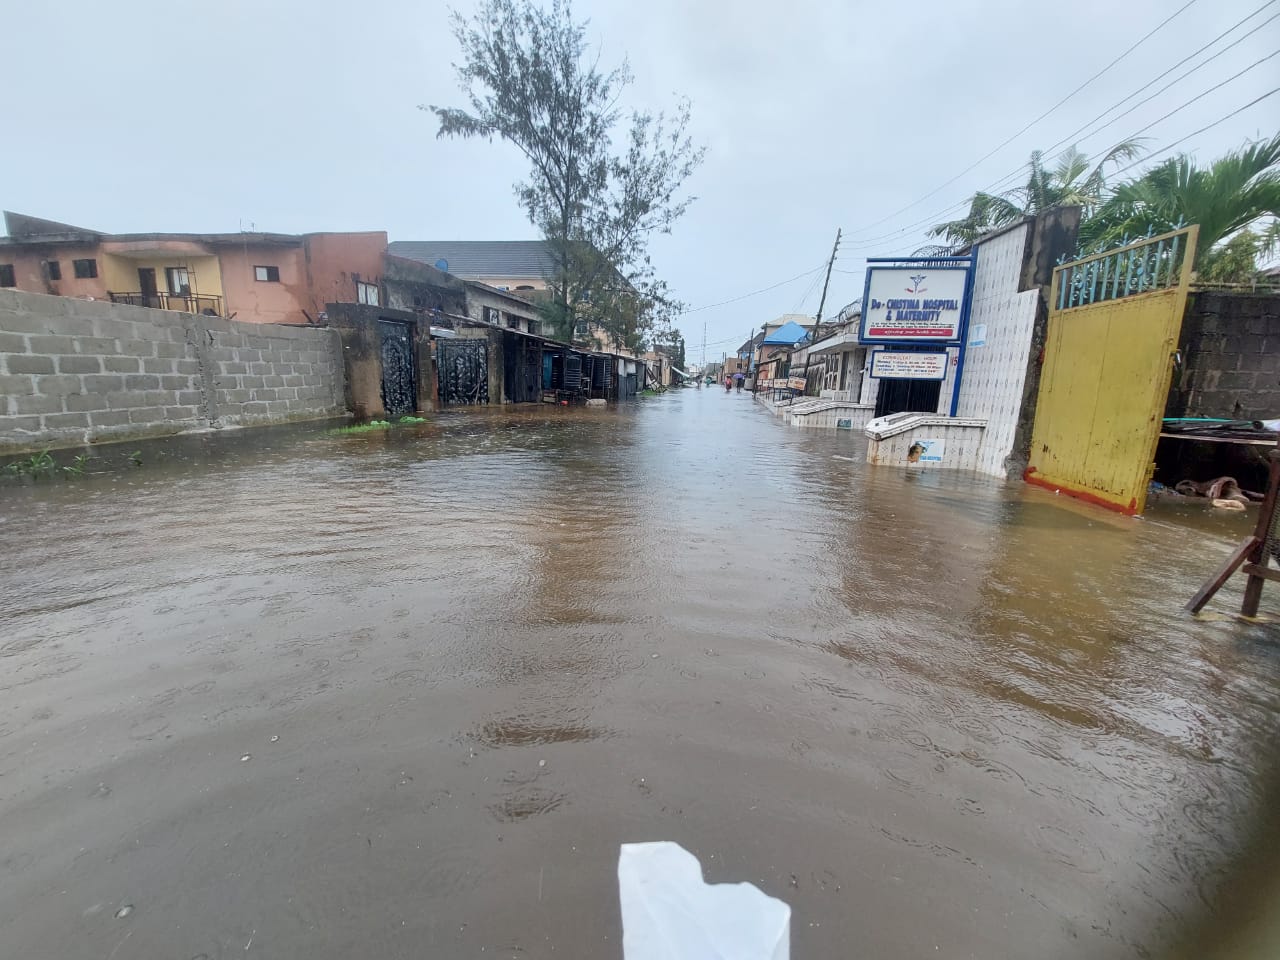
<point>301,115</point>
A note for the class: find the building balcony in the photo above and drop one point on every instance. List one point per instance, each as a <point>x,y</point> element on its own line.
<point>184,302</point>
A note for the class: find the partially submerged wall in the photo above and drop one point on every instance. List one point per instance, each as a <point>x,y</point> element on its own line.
<point>1007,327</point>
<point>1002,320</point>
<point>1230,351</point>
<point>82,371</point>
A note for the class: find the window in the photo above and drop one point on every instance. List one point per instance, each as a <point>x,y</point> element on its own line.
<point>7,278</point>
<point>179,280</point>
<point>524,287</point>
<point>53,269</point>
<point>493,315</point>
<point>85,269</point>
<point>513,321</point>
<point>267,274</point>
<point>367,293</point>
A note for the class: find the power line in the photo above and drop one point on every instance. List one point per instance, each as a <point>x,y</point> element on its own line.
<point>1194,133</point>
<point>1012,176</point>
<point>808,292</point>
<point>1072,136</point>
<point>1208,126</point>
<point>933,219</point>
<point>1042,116</point>
<point>753,293</point>
<point>1201,96</point>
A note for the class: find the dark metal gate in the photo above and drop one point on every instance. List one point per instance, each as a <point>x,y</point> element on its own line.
<point>907,396</point>
<point>522,368</point>
<point>573,373</point>
<point>602,377</point>
<point>463,367</point>
<point>399,385</point>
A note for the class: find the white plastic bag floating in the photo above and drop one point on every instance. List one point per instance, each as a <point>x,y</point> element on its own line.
<point>669,913</point>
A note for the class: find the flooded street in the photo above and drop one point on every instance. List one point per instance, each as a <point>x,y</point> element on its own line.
<point>293,694</point>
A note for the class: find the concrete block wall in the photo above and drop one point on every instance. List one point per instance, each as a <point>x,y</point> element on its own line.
<point>1230,346</point>
<point>80,371</point>
<point>266,373</point>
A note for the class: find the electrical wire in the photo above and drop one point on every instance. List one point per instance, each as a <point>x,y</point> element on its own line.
<point>1008,178</point>
<point>1196,133</point>
<point>1042,116</point>
<point>1144,159</point>
<point>807,294</point>
<point>1193,133</point>
<point>1200,96</point>
<point>753,293</point>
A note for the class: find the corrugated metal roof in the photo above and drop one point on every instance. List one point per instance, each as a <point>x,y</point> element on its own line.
<point>477,259</point>
<point>788,334</point>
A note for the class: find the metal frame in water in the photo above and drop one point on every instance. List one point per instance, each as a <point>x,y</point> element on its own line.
<point>1255,553</point>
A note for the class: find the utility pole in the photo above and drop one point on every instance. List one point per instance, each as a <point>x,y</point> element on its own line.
<point>755,381</point>
<point>704,349</point>
<point>821,303</point>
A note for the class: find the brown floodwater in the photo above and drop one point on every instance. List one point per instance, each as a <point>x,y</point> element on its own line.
<point>286,693</point>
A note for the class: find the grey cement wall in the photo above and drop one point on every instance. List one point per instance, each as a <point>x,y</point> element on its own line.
<point>82,371</point>
<point>1230,346</point>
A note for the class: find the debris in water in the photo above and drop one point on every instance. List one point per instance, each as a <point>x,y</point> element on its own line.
<point>124,911</point>
<point>246,758</point>
<point>275,737</point>
<point>670,912</point>
<point>542,763</point>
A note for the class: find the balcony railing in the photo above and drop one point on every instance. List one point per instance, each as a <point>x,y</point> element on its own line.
<point>185,302</point>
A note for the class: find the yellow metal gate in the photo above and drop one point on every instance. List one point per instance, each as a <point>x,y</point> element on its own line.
<point>1114,320</point>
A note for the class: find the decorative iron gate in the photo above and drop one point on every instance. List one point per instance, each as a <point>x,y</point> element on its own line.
<point>463,367</point>
<point>399,385</point>
<point>1114,319</point>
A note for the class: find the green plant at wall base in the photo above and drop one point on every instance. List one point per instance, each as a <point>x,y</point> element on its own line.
<point>413,419</point>
<point>363,427</point>
<point>37,465</point>
<point>76,467</point>
<point>135,458</point>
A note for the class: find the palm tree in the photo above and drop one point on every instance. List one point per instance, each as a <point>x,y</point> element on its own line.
<point>1070,182</point>
<point>1224,198</point>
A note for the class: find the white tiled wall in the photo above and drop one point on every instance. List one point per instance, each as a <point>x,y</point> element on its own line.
<point>994,374</point>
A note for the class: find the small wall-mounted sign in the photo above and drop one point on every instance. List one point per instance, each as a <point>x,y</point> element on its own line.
<point>904,365</point>
<point>978,335</point>
<point>844,424</point>
<point>926,451</point>
<point>797,383</point>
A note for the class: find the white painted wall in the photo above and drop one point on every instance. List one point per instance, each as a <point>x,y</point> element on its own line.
<point>994,374</point>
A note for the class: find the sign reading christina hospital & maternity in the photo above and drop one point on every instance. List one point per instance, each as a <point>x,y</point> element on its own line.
<point>915,303</point>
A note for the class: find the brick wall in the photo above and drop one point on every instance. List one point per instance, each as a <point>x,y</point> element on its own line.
<point>80,371</point>
<point>1230,346</point>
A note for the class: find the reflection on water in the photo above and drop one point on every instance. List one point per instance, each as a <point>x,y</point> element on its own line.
<point>466,660</point>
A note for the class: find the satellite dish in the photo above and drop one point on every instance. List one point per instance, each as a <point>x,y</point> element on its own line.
<point>442,265</point>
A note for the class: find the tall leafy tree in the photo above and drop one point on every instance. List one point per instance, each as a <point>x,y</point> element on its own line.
<point>1072,181</point>
<point>530,79</point>
<point>1238,189</point>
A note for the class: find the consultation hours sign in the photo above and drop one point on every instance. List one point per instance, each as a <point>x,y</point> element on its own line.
<point>915,303</point>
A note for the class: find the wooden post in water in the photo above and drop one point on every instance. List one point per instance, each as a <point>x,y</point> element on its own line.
<point>1253,554</point>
